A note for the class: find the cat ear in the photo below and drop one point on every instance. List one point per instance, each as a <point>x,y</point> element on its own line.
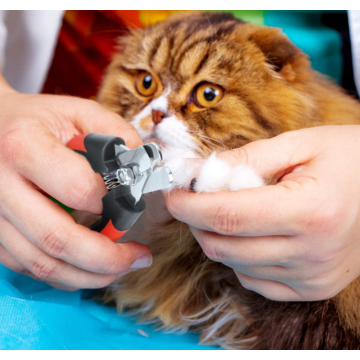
<point>280,53</point>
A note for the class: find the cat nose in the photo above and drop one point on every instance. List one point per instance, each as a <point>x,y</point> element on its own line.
<point>157,116</point>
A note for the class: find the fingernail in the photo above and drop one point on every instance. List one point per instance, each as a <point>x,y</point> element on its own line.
<point>142,262</point>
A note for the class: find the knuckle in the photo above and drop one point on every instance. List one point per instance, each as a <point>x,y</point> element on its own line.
<point>322,256</point>
<point>44,270</point>
<point>321,288</point>
<point>319,294</point>
<point>118,260</point>
<point>55,244</point>
<point>10,145</point>
<point>81,193</point>
<point>226,221</point>
<point>112,267</point>
<point>323,218</point>
<point>22,270</point>
<point>212,252</point>
<point>244,281</point>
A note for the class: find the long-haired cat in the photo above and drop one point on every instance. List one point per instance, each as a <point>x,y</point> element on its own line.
<point>204,82</point>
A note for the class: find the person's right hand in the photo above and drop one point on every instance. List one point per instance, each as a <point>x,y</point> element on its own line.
<point>37,236</point>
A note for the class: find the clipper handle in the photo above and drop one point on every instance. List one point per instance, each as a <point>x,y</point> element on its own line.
<point>98,149</point>
<point>119,211</point>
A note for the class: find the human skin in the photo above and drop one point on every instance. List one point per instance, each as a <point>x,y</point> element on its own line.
<point>297,240</point>
<point>37,237</point>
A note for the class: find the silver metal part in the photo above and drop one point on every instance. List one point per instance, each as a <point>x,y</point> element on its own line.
<point>141,169</point>
<point>156,151</point>
<point>136,156</point>
<point>111,181</point>
<point>120,149</point>
<point>125,176</point>
<point>161,178</point>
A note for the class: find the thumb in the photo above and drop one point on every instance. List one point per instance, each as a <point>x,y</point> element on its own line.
<point>273,158</point>
<point>89,116</point>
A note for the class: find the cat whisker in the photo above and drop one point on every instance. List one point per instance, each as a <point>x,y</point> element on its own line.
<point>205,137</point>
<point>209,140</point>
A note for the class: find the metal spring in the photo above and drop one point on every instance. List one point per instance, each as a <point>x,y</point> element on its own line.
<point>111,181</point>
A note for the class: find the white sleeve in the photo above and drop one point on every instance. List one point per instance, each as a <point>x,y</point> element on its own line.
<point>354,24</point>
<point>27,42</point>
<point>3,37</point>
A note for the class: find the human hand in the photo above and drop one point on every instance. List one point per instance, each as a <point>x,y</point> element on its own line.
<point>38,237</point>
<point>297,240</point>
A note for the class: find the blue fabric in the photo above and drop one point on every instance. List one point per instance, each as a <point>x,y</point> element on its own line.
<point>306,30</point>
<point>33,316</point>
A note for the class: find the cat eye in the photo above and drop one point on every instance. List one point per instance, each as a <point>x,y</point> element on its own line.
<point>206,95</point>
<point>145,84</point>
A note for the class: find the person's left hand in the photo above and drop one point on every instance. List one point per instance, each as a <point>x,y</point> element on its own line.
<point>297,240</point>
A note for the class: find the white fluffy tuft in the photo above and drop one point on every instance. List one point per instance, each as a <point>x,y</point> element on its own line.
<point>216,175</point>
<point>244,177</point>
<point>174,133</point>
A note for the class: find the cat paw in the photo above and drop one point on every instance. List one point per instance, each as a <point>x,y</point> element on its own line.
<point>216,175</point>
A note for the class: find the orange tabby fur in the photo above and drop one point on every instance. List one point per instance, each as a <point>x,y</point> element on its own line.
<point>269,89</point>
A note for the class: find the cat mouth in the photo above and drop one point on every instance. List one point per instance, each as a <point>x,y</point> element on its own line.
<point>166,139</point>
<point>173,150</point>
<point>170,133</point>
<point>174,133</point>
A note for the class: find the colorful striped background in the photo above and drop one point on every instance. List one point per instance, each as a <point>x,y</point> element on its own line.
<point>87,42</point>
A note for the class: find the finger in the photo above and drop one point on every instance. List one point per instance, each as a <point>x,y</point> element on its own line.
<point>247,251</point>
<point>270,258</point>
<point>57,170</point>
<point>297,274</point>
<point>52,229</point>
<point>267,210</point>
<point>272,290</point>
<point>61,286</point>
<point>89,116</point>
<point>43,266</point>
<point>271,158</point>
<point>7,260</point>
<point>258,211</point>
<point>267,272</point>
<point>289,276</point>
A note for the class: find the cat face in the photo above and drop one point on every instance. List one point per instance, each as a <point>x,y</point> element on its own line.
<point>203,82</point>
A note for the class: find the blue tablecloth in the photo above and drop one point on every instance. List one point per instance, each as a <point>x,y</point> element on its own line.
<point>33,315</point>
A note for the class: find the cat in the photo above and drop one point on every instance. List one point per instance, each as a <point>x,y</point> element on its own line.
<point>197,84</point>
